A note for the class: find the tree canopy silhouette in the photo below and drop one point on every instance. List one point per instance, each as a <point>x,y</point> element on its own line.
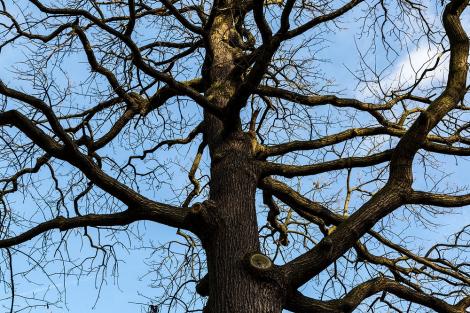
<point>291,177</point>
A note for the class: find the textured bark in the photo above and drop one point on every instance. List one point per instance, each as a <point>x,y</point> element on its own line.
<point>232,288</point>
<point>234,177</point>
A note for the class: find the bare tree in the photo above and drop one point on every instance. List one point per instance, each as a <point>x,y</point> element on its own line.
<point>297,184</point>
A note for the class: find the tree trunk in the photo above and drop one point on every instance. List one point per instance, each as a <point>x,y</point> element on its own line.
<point>232,288</point>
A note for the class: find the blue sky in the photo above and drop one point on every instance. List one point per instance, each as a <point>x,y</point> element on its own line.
<point>123,294</point>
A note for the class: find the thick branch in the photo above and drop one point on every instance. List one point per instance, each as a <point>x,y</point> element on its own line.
<point>394,193</point>
<point>300,303</point>
<point>93,220</point>
<point>303,206</point>
<point>320,20</point>
<point>442,200</point>
<point>321,215</point>
<point>433,143</point>
<point>167,215</point>
<point>269,168</point>
<point>401,163</point>
<point>317,100</point>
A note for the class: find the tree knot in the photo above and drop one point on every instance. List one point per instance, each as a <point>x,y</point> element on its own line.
<point>202,217</point>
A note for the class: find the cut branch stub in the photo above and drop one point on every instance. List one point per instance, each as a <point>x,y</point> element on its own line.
<point>260,262</point>
<point>262,268</point>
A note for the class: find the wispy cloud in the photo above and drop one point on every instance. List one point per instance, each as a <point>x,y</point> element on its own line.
<point>424,62</point>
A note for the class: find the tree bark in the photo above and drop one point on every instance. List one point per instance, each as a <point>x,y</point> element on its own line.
<point>232,287</point>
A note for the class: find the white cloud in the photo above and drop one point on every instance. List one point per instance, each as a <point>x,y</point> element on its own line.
<point>422,61</point>
<point>407,70</point>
